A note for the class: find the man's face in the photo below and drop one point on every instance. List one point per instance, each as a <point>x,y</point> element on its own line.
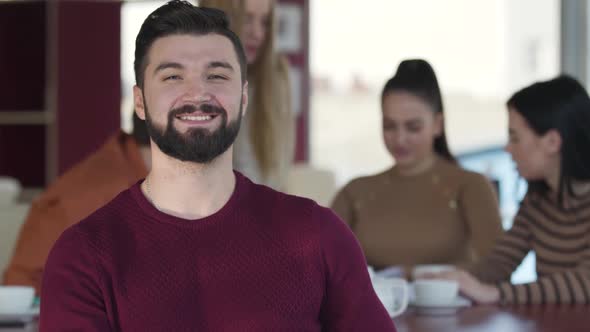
<point>192,97</point>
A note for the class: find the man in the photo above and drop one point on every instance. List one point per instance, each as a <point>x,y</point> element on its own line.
<point>120,162</point>
<point>197,246</point>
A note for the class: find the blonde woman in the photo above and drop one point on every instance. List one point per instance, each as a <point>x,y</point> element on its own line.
<point>264,148</point>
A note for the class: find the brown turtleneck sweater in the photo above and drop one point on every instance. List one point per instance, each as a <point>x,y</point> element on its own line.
<point>446,215</point>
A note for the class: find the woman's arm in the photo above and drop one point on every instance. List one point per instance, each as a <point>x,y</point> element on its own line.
<point>480,210</point>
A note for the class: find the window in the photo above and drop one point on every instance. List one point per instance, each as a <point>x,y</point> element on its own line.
<point>482,52</point>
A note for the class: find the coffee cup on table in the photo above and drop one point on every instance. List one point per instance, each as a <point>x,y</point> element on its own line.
<point>435,292</point>
<point>424,270</point>
<point>16,299</point>
<point>10,189</point>
<point>393,293</point>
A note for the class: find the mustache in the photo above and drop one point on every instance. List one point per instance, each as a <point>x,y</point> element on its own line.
<point>204,108</point>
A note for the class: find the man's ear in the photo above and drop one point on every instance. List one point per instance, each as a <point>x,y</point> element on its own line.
<point>245,99</point>
<point>138,102</point>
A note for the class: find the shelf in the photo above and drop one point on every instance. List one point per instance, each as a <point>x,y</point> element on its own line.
<point>25,118</point>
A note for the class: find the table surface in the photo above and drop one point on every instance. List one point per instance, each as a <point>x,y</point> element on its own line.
<point>546,318</point>
<point>32,327</point>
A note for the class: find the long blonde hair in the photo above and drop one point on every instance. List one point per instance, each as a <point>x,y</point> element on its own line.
<point>270,113</point>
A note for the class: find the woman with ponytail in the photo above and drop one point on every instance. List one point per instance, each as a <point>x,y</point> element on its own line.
<point>425,209</point>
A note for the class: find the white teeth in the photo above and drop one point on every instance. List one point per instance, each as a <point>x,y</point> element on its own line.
<point>196,117</point>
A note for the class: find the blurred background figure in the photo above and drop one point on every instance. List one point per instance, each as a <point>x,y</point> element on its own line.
<point>549,129</point>
<point>119,163</point>
<point>264,149</point>
<point>58,121</point>
<point>426,209</point>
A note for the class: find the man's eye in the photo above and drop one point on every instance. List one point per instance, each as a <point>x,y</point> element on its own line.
<point>217,77</point>
<point>172,78</point>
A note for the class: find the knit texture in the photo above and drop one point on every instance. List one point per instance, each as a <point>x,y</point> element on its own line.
<point>446,215</point>
<point>266,261</point>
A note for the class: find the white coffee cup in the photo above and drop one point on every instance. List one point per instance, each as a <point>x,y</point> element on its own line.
<point>10,189</point>
<point>16,299</point>
<point>435,292</point>
<point>421,270</point>
<point>393,293</point>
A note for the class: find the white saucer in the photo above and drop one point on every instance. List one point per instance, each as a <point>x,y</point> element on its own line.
<point>24,317</point>
<point>438,309</point>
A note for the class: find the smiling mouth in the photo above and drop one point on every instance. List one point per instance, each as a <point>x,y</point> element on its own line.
<point>196,119</point>
<point>190,117</point>
<point>193,115</point>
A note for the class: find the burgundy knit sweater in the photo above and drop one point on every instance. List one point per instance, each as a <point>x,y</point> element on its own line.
<point>266,261</point>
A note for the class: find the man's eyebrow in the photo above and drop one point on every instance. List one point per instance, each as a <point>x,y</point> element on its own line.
<point>220,64</point>
<point>166,65</point>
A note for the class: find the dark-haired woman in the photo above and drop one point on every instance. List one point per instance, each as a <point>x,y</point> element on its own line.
<point>426,209</point>
<point>549,130</point>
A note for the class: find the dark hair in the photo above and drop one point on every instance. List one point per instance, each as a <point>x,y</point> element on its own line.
<point>561,104</point>
<point>140,132</point>
<point>181,17</point>
<point>417,77</point>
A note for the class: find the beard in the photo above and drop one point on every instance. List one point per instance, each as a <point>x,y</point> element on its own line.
<point>196,145</point>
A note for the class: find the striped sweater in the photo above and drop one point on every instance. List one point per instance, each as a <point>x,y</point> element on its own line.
<point>560,238</point>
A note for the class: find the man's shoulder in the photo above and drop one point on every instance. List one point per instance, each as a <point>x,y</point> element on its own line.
<point>95,231</point>
<point>278,200</point>
<point>297,211</point>
<point>110,218</point>
<point>284,208</point>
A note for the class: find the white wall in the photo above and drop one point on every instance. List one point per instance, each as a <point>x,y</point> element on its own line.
<point>482,51</point>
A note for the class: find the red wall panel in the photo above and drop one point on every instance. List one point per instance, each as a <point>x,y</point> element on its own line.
<point>89,77</point>
<point>22,88</point>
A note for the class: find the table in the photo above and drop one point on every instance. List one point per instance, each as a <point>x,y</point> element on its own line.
<point>32,327</point>
<point>550,318</point>
<point>546,318</point>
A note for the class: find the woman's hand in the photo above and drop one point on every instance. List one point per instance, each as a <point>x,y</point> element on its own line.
<point>470,287</point>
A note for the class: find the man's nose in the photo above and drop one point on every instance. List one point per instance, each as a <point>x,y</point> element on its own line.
<point>196,92</point>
